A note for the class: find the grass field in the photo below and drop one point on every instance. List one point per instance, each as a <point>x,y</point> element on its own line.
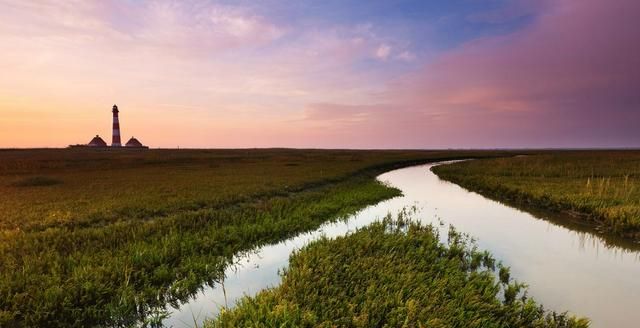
<point>394,274</point>
<point>601,188</point>
<point>103,237</point>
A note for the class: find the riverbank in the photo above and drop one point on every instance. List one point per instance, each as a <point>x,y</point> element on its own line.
<point>119,235</point>
<point>597,188</point>
<point>563,267</point>
<point>396,274</point>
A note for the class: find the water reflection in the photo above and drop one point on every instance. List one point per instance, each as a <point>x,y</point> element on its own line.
<point>566,266</point>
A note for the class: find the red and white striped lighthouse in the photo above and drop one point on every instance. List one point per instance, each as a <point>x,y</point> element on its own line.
<point>115,141</point>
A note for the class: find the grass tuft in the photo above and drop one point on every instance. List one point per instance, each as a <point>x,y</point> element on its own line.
<point>394,274</point>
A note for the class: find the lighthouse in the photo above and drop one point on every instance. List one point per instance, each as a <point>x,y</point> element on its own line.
<point>115,141</point>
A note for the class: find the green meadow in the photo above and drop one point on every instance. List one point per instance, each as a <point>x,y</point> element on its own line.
<point>597,188</point>
<point>106,237</point>
<point>394,274</point>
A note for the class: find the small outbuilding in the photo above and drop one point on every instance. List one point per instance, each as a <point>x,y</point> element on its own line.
<point>134,143</point>
<point>97,142</point>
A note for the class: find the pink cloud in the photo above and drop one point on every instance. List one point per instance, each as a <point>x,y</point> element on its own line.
<point>234,78</point>
<point>383,51</point>
<point>572,74</point>
<point>131,26</point>
<point>204,25</point>
<point>569,79</point>
<point>406,56</point>
<point>230,76</point>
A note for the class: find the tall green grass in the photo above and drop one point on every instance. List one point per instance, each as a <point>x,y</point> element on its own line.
<point>104,187</point>
<point>394,274</point>
<point>598,187</point>
<point>130,231</point>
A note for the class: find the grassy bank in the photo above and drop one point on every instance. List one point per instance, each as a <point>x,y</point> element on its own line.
<point>600,188</point>
<point>393,275</point>
<point>103,237</point>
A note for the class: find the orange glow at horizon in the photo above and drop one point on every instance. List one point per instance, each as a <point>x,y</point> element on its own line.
<point>209,75</point>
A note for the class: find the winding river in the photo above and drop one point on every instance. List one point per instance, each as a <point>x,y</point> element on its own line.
<point>566,267</point>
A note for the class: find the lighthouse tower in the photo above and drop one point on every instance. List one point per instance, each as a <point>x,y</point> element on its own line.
<point>115,141</point>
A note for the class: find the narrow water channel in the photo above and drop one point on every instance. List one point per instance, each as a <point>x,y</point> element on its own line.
<point>565,267</point>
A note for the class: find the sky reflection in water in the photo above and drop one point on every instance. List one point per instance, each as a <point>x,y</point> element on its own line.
<point>565,269</point>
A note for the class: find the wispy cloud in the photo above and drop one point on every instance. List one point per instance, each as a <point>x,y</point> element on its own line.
<point>383,51</point>
<point>570,75</point>
<point>523,73</point>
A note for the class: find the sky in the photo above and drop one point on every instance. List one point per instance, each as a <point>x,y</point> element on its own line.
<point>322,74</point>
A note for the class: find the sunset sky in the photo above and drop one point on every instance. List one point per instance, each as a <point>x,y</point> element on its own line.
<point>322,74</point>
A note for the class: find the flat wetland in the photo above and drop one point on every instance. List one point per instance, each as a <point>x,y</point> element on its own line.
<point>105,237</point>
<point>112,237</point>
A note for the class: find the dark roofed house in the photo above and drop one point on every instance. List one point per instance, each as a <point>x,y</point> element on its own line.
<point>97,142</point>
<point>134,143</point>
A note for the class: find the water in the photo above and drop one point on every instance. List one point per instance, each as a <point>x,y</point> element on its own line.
<point>566,268</point>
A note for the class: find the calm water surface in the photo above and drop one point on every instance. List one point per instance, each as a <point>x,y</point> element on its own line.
<point>566,270</point>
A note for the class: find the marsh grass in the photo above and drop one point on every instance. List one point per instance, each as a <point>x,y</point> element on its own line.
<point>394,274</point>
<point>599,187</point>
<point>130,232</point>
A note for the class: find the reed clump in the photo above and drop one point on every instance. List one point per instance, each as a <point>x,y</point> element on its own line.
<point>394,275</point>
